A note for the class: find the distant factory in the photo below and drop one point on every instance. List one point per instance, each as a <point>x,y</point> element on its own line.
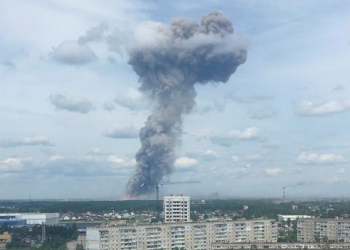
<point>29,219</point>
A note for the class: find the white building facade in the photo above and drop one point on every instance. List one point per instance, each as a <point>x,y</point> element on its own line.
<point>168,236</point>
<point>282,218</point>
<point>32,218</point>
<point>176,208</point>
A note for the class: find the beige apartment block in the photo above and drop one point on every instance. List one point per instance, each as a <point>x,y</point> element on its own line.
<point>4,238</point>
<point>315,230</point>
<point>168,236</point>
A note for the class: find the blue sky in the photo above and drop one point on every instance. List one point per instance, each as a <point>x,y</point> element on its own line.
<point>70,110</point>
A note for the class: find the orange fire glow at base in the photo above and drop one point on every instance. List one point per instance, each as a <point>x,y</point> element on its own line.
<point>127,198</point>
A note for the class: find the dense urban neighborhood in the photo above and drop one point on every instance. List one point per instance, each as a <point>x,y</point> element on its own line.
<point>26,224</point>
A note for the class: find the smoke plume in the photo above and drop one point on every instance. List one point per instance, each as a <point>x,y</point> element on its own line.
<point>170,60</point>
<point>300,183</point>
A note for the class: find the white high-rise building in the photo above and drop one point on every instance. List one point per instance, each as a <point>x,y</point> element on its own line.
<point>176,208</point>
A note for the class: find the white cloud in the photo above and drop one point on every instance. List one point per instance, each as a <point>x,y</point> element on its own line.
<point>341,171</point>
<point>185,162</point>
<point>248,99</point>
<point>209,155</point>
<point>74,53</point>
<point>235,158</point>
<point>318,108</point>
<point>109,106</point>
<point>249,133</point>
<point>69,103</point>
<point>216,105</point>
<point>121,131</point>
<point>95,151</point>
<point>26,141</point>
<point>273,171</point>
<point>13,164</point>
<point>262,113</point>
<point>254,157</point>
<point>133,100</point>
<point>233,136</point>
<point>120,161</point>
<point>325,159</point>
<point>94,34</point>
<point>56,158</point>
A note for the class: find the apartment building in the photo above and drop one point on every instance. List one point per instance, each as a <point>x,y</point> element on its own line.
<point>168,236</point>
<point>315,230</point>
<point>176,208</point>
<point>4,239</point>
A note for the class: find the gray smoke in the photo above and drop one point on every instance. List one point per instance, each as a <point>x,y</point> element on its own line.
<point>300,183</point>
<point>170,60</point>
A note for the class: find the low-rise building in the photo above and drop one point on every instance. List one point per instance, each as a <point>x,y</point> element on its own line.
<point>167,236</point>
<point>282,218</point>
<point>22,219</point>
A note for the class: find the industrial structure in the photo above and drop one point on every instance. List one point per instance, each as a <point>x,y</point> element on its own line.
<point>167,236</point>
<point>176,208</point>
<point>23,219</point>
<point>321,229</point>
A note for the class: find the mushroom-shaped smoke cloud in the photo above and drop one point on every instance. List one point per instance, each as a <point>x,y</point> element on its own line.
<point>170,60</point>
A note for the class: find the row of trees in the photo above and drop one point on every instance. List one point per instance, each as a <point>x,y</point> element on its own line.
<point>56,237</point>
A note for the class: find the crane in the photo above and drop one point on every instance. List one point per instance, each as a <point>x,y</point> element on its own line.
<point>161,184</point>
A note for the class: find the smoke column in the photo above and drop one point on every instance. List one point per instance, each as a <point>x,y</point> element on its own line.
<point>170,60</point>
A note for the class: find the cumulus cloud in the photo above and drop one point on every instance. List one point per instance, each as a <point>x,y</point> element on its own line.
<point>235,158</point>
<point>338,88</point>
<point>69,103</point>
<point>82,167</point>
<point>13,164</point>
<point>210,155</point>
<point>94,34</point>
<point>341,171</point>
<point>57,165</point>
<point>227,140</point>
<point>109,106</point>
<point>121,131</point>
<point>319,108</point>
<point>95,151</point>
<point>273,171</point>
<point>248,99</point>
<point>56,158</point>
<point>8,64</point>
<point>254,157</point>
<point>216,105</point>
<point>262,113</point>
<point>185,162</point>
<point>73,53</point>
<point>133,100</point>
<point>120,161</point>
<point>325,159</point>
<point>26,141</point>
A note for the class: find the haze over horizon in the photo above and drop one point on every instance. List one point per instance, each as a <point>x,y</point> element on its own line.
<point>71,111</point>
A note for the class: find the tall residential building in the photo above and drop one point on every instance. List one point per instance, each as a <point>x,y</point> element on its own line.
<point>198,236</point>
<point>315,230</point>
<point>176,208</point>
